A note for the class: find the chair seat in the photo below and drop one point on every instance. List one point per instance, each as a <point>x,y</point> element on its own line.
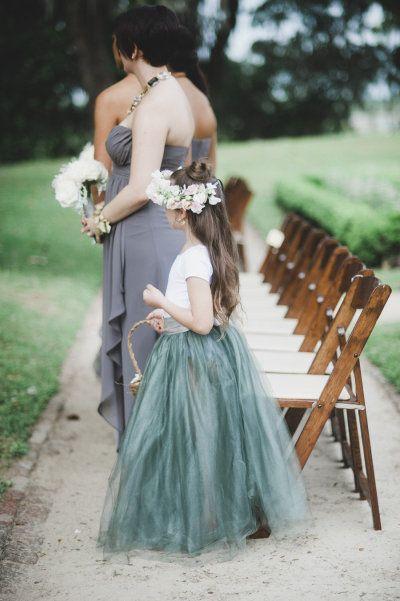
<point>300,386</point>
<point>284,362</point>
<point>260,307</point>
<point>269,326</point>
<point>274,342</point>
<point>258,299</point>
<point>251,277</point>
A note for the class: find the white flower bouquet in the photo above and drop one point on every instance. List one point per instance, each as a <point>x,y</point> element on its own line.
<point>73,182</point>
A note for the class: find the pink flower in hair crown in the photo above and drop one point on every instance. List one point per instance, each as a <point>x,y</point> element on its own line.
<point>193,198</point>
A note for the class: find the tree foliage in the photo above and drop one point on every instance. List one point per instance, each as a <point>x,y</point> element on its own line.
<point>58,53</point>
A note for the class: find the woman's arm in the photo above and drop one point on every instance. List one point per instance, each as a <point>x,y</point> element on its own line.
<point>104,121</point>
<point>199,318</point>
<point>149,133</point>
<point>213,151</point>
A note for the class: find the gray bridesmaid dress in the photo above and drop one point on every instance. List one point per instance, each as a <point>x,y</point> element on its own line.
<point>200,148</point>
<point>139,250</point>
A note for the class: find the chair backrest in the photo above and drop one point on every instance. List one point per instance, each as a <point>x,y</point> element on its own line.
<point>365,293</point>
<point>270,264</point>
<point>306,281</point>
<point>292,278</point>
<point>237,197</point>
<point>369,295</point>
<point>287,257</point>
<point>340,278</point>
<point>271,251</point>
<point>320,288</point>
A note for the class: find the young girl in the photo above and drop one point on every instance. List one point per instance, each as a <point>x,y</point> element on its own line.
<point>205,458</point>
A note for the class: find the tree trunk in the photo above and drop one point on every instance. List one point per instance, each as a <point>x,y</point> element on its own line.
<point>88,22</point>
<point>213,68</point>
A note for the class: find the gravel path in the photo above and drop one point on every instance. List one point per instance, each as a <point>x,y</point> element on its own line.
<point>52,554</point>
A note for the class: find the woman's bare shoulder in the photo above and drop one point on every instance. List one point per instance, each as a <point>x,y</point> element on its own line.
<point>119,93</point>
<point>206,122</point>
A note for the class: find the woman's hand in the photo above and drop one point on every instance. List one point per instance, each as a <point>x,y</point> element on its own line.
<point>157,320</point>
<point>153,297</point>
<point>89,226</point>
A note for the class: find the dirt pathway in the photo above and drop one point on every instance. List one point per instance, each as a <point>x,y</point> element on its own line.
<point>52,554</point>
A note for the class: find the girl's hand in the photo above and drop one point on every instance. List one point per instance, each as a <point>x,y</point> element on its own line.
<point>89,226</point>
<point>157,320</point>
<point>153,297</point>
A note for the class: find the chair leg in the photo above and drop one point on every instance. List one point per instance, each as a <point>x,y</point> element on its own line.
<point>355,451</point>
<point>339,433</point>
<point>369,467</point>
<point>293,417</point>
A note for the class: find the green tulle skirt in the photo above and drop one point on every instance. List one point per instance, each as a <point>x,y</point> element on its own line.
<point>206,458</point>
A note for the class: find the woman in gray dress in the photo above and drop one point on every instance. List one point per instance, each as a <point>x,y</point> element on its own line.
<point>186,69</point>
<point>141,246</point>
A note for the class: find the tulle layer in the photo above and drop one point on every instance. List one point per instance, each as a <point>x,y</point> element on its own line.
<point>206,458</point>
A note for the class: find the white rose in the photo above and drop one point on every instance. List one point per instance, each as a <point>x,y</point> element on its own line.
<point>200,198</point>
<point>213,200</point>
<point>67,193</point>
<point>196,207</point>
<point>192,189</point>
<point>74,171</point>
<point>87,153</point>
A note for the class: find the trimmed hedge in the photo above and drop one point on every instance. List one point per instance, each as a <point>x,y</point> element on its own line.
<point>371,235</point>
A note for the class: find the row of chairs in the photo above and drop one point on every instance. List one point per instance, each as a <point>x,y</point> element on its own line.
<point>307,317</point>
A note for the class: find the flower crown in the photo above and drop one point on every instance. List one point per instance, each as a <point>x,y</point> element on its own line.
<point>171,196</point>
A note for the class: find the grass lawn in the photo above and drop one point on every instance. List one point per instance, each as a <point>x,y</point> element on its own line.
<point>49,274</point>
<point>383,349</point>
<point>263,163</point>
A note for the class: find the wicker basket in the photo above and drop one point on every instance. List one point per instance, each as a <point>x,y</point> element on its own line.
<point>135,382</point>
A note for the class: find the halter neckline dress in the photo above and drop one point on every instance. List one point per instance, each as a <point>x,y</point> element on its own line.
<point>200,148</point>
<point>139,251</point>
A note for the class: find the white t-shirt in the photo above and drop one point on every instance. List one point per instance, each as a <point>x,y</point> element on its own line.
<point>193,262</point>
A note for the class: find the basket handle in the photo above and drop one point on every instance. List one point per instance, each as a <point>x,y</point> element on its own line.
<point>130,348</point>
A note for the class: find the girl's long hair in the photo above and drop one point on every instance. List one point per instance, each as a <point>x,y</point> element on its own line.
<point>211,228</point>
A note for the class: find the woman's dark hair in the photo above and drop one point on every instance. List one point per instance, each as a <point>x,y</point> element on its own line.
<point>153,29</point>
<point>185,59</point>
<point>211,227</point>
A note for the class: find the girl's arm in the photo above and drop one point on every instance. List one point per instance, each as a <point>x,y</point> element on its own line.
<point>199,318</point>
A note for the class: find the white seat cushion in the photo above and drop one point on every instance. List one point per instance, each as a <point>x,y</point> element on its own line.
<point>299,386</point>
<point>269,326</point>
<point>257,299</point>
<point>251,277</point>
<point>263,304</point>
<point>274,342</point>
<point>285,362</point>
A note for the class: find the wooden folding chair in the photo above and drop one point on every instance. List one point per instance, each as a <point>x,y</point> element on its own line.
<point>321,394</point>
<point>302,283</point>
<point>272,252</point>
<point>301,362</point>
<point>256,295</point>
<point>334,282</point>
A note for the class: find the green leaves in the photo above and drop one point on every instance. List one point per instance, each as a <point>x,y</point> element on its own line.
<point>371,234</point>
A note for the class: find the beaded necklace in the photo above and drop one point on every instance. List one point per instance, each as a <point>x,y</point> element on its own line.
<point>150,84</point>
